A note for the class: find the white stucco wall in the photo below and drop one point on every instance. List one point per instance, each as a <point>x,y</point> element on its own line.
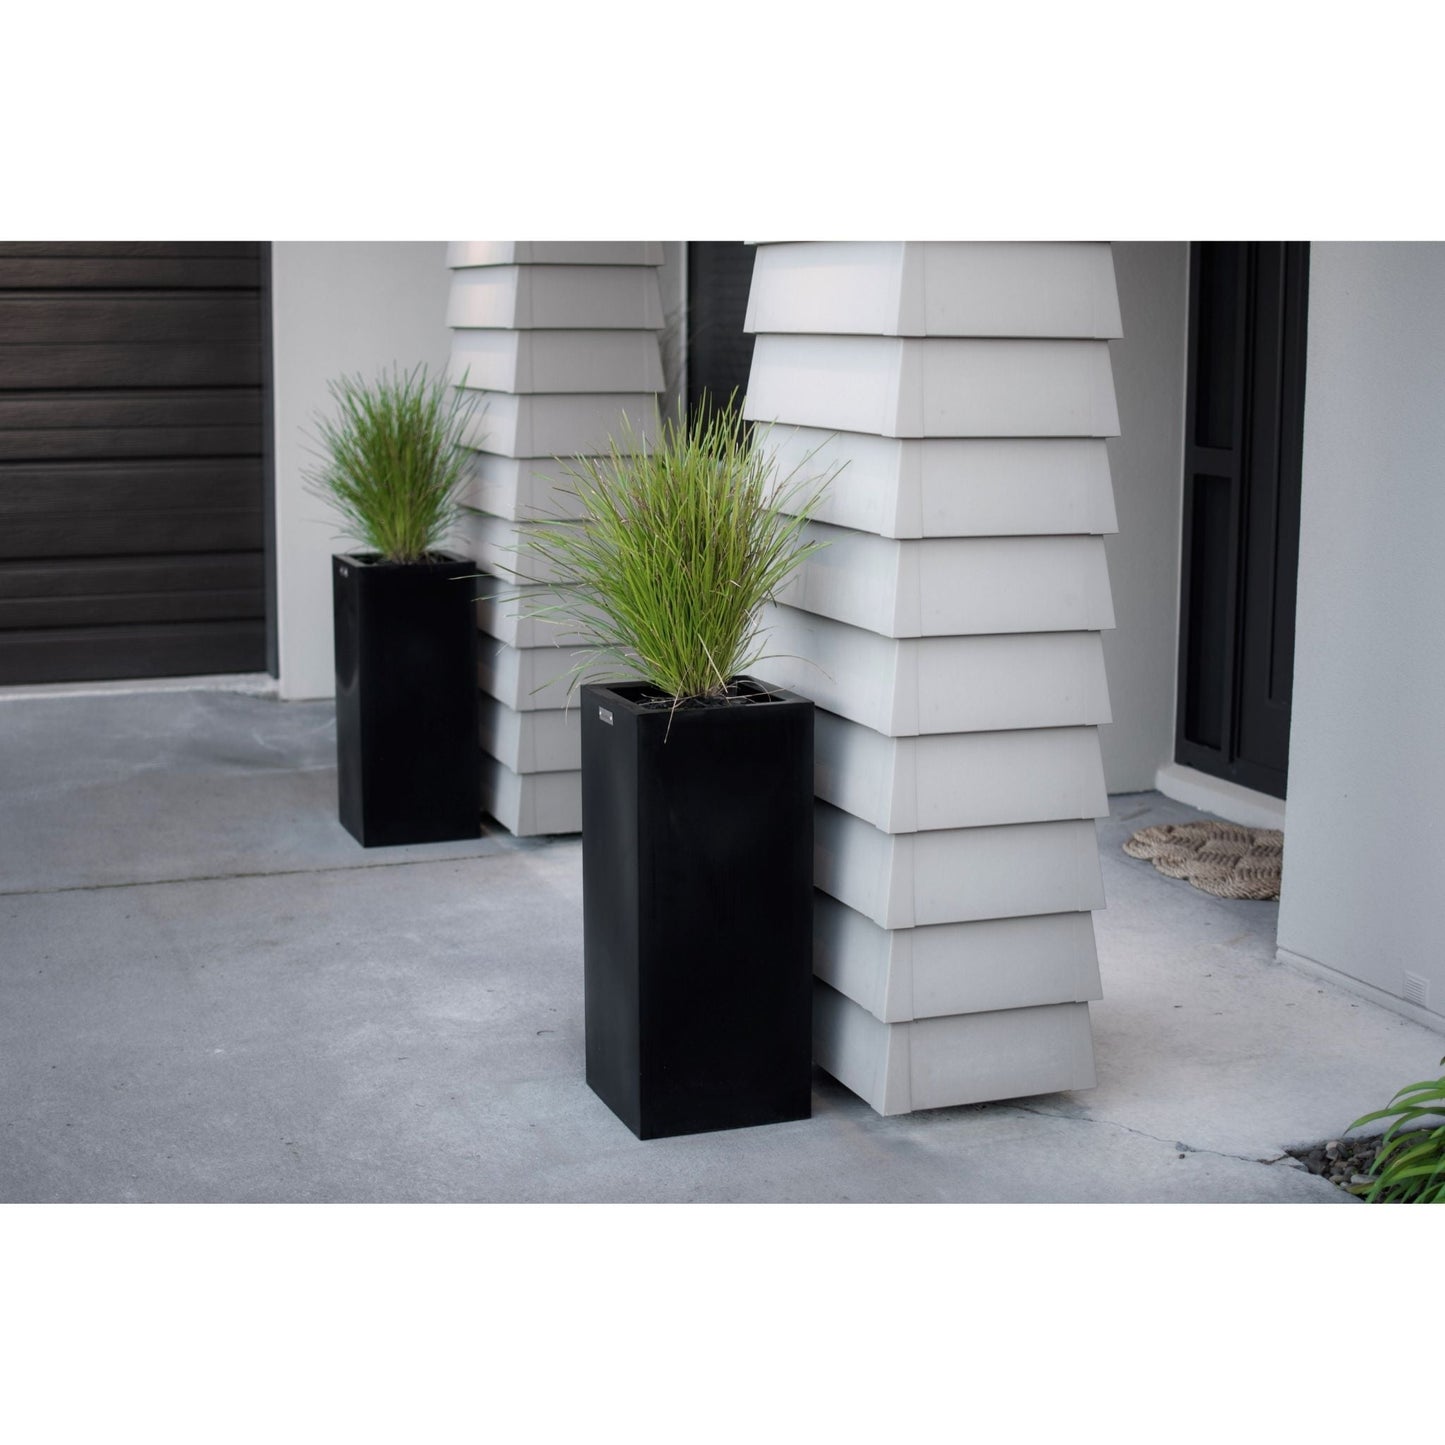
<point>1364,846</point>
<point>337,306</point>
<point>1146,461</point>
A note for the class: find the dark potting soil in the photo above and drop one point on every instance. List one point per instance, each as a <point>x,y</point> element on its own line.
<point>427,559</point>
<point>739,691</point>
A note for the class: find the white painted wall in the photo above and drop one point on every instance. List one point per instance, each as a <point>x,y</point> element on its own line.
<point>1364,862</point>
<point>337,306</point>
<point>1147,463</point>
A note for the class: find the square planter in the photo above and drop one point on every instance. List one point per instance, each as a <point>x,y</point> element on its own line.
<point>697,840</point>
<point>408,762</point>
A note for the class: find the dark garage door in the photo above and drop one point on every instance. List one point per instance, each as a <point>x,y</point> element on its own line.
<point>131,470</point>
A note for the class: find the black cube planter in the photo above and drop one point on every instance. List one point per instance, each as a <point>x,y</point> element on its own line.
<point>408,756</point>
<point>697,885</point>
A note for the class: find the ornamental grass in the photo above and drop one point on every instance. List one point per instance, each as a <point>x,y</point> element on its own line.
<point>392,461</point>
<point>682,542</point>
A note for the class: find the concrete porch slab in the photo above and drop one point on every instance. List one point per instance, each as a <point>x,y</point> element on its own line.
<point>208,992</point>
<point>117,789</point>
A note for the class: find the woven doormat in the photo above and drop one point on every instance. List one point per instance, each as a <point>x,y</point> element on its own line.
<point>1221,858</point>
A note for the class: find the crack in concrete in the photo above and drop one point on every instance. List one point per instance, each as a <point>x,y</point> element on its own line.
<point>1178,1145</point>
<point>500,852</point>
<point>59,789</point>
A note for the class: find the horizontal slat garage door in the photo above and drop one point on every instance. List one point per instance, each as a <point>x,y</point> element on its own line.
<point>131,473</point>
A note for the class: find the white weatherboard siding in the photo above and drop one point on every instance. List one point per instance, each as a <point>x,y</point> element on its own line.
<point>558,361</point>
<point>530,803</point>
<point>531,742</point>
<point>951,586</point>
<point>953,487</point>
<point>546,427</point>
<point>900,974</point>
<point>519,487</point>
<point>526,679</point>
<point>958,780</point>
<point>903,686</point>
<point>463,254</point>
<point>964,1058</point>
<point>1364,859</point>
<point>558,343</point>
<point>504,549</point>
<point>904,387</point>
<point>512,614</point>
<point>889,288</point>
<point>950,633</point>
<point>605,298</point>
<point>955,875</point>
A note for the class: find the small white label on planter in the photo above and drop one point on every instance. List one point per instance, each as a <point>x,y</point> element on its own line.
<point>605,716</point>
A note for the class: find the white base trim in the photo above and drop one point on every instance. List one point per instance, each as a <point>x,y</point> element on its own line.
<point>1224,799</point>
<point>1364,990</point>
<point>257,684</point>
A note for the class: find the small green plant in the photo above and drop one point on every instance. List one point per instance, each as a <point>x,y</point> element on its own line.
<point>681,543</point>
<point>1410,1167</point>
<point>392,460</point>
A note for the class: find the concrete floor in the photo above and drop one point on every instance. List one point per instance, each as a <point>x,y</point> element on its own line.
<point>209,992</point>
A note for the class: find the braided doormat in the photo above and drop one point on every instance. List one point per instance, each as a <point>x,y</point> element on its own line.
<point>1221,858</point>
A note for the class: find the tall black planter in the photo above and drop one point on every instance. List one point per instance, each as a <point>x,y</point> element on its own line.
<point>408,757</point>
<point>697,875</point>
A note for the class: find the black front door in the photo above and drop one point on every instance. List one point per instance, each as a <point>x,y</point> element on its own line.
<point>719,351</point>
<point>1243,430</point>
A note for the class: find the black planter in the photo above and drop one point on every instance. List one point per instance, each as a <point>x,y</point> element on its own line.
<point>697,879</point>
<point>408,757</point>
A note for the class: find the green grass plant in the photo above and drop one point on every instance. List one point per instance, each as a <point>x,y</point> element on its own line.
<point>1410,1167</point>
<point>682,541</point>
<point>392,460</point>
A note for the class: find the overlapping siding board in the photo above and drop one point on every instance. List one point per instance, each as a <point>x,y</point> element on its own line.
<point>558,341</point>
<point>950,634</point>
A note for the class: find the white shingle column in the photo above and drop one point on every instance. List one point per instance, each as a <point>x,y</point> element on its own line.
<point>559,340</point>
<point>950,635</point>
